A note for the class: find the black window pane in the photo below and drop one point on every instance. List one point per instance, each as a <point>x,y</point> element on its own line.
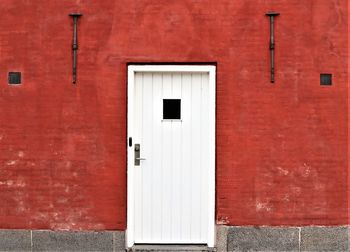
<point>14,78</point>
<point>326,79</point>
<point>171,109</point>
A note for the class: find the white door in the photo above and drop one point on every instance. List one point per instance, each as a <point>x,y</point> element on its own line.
<point>172,161</point>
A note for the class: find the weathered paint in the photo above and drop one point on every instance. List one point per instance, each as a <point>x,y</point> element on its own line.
<point>348,115</point>
<point>281,148</point>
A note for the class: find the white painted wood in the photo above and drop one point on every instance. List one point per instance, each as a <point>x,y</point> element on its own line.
<point>205,151</point>
<point>176,164</point>
<point>211,163</point>
<point>195,147</point>
<point>147,167</point>
<point>171,195</point>
<point>137,139</point>
<point>186,155</point>
<point>157,140</point>
<point>166,167</point>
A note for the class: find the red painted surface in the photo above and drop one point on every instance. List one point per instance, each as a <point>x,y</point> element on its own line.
<point>348,115</point>
<point>282,148</point>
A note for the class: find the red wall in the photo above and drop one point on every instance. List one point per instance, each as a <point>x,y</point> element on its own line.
<point>348,115</point>
<point>281,148</point>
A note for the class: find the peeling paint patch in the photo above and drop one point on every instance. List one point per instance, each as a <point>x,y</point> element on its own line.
<point>7,183</point>
<point>18,183</point>
<point>222,220</point>
<point>62,200</point>
<point>263,206</point>
<point>63,222</point>
<point>286,198</point>
<point>282,171</point>
<point>306,170</point>
<point>11,162</point>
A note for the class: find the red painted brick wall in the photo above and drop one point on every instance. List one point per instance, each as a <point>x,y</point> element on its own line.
<point>281,148</point>
<point>348,115</point>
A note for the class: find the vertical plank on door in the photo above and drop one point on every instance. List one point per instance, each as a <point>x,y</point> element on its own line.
<point>166,164</point>
<point>176,163</point>
<point>158,156</point>
<point>204,165</point>
<point>196,156</point>
<point>186,151</point>
<point>146,166</point>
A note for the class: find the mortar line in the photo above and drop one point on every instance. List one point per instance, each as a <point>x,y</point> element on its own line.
<point>113,241</point>
<point>31,240</point>
<point>299,239</point>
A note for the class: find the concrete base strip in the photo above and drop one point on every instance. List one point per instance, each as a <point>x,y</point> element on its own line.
<point>288,239</point>
<point>228,239</point>
<point>325,239</point>
<point>42,240</point>
<point>15,240</point>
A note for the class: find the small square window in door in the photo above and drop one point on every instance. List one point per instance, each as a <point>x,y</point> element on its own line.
<point>172,109</point>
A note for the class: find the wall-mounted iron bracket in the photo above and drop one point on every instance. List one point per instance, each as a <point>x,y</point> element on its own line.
<point>272,16</point>
<point>75,44</point>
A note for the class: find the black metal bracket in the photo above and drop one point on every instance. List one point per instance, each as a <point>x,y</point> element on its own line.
<point>75,44</point>
<point>272,16</point>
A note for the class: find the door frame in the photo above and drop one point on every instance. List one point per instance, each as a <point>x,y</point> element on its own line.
<point>132,69</point>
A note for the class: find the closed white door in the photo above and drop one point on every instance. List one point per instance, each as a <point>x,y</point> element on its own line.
<point>171,146</point>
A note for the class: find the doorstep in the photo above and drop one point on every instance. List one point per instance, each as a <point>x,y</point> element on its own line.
<point>171,248</point>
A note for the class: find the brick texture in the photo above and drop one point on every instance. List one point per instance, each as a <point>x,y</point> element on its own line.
<point>281,148</point>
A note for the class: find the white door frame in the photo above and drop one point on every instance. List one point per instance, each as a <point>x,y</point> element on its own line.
<point>132,69</point>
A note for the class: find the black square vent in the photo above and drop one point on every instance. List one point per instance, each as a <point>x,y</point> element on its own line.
<point>326,79</point>
<point>15,78</point>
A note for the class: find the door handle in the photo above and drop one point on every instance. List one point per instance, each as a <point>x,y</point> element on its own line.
<point>137,155</point>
